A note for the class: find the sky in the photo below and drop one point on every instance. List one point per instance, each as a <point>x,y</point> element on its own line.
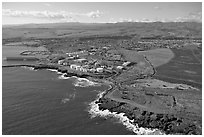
<point>107,12</point>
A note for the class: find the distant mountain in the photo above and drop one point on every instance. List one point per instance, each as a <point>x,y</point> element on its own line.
<point>76,29</point>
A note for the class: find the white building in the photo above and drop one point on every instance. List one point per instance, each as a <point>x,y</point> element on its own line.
<point>74,66</point>
<point>78,67</point>
<point>126,63</point>
<point>83,69</point>
<point>100,70</point>
<point>81,60</point>
<point>119,67</point>
<point>60,62</point>
<point>93,70</point>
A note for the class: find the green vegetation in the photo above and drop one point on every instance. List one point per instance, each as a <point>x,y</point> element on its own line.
<point>156,30</point>
<point>159,56</point>
<point>171,52</point>
<point>183,68</point>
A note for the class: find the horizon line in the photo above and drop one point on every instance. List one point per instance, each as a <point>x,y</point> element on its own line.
<point>105,22</point>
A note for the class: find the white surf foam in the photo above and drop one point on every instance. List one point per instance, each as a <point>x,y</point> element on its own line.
<point>79,82</point>
<point>69,98</point>
<point>83,82</point>
<point>29,68</point>
<point>95,111</point>
<point>53,70</point>
<point>65,100</point>
<point>63,76</point>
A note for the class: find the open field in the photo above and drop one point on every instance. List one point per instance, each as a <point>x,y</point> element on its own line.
<point>158,57</point>
<point>183,68</point>
<point>143,30</point>
<point>142,66</point>
<point>159,88</point>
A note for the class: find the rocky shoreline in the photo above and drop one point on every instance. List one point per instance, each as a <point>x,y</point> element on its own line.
<point>54,67</point>
<point>95,110</point>
<point>141,121</point>
<point>167,123</point>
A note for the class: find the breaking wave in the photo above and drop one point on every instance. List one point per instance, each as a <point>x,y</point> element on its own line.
<point>95,111</point>
<point>79,82</point>
<point>29,68</point>
<point>55,70</point>
<point>63,76</point>
<point>69,98</point>
<point>83,82</point>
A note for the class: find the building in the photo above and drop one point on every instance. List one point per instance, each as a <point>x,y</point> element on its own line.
<point>81,60</point>
<point>92,70</point>
<point>60,62</point>
<point>119,67</point>
<point>100,70</point>
<point>70,58</point>
<point>126,63</point>
<point>65,63</point>
<point>78,67</point>
<point>83,69</point>
<point>74,66</point>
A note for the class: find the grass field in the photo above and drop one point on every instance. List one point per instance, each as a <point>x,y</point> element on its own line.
<point>183,68</point>
<point>142,67</point>
<point>158,57</point>
<point>60,30</point>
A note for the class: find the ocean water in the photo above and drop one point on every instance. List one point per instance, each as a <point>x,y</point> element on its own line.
<point>43,102</point>
<point>14,51</point>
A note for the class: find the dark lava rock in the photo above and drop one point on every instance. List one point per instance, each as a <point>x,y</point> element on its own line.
<point>108,104</point>
<point>63,70</point>
<point>168,123</point>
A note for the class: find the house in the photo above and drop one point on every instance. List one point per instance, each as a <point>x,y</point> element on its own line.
<point>97,64</point>
<point>100,70</point>
<point>92,70</point>
<point>70,58</point>
<point>60,62</point>
<point>119,67</point>
<point>126,63</point>
<point>78,67</point>
<point>81,60</point>
<point>65,63</point>
<point>74,66</point>
<point>83,69</point>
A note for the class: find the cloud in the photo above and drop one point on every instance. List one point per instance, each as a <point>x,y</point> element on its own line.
<point>191,17</point>
<point>36,14</point>
<point>94,14</point>
<point>126,20</point>
<point>63,15</point>
<point>157,8</point>
<point>47,4</point>
<point>112,20</point>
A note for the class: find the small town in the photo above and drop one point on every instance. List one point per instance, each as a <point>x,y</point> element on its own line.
<point>102,68</point>
<point>86,62</point>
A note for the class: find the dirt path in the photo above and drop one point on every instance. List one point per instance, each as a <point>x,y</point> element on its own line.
<point>115,87</point>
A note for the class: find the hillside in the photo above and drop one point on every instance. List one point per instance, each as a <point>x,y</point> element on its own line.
<point>156,30</point>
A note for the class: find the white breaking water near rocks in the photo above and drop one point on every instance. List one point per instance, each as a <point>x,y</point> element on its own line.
<point>30,68</point>
<point>95,111</point>
<point>63,76</point>
<point>83,82</point>
<point>53,70</point>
